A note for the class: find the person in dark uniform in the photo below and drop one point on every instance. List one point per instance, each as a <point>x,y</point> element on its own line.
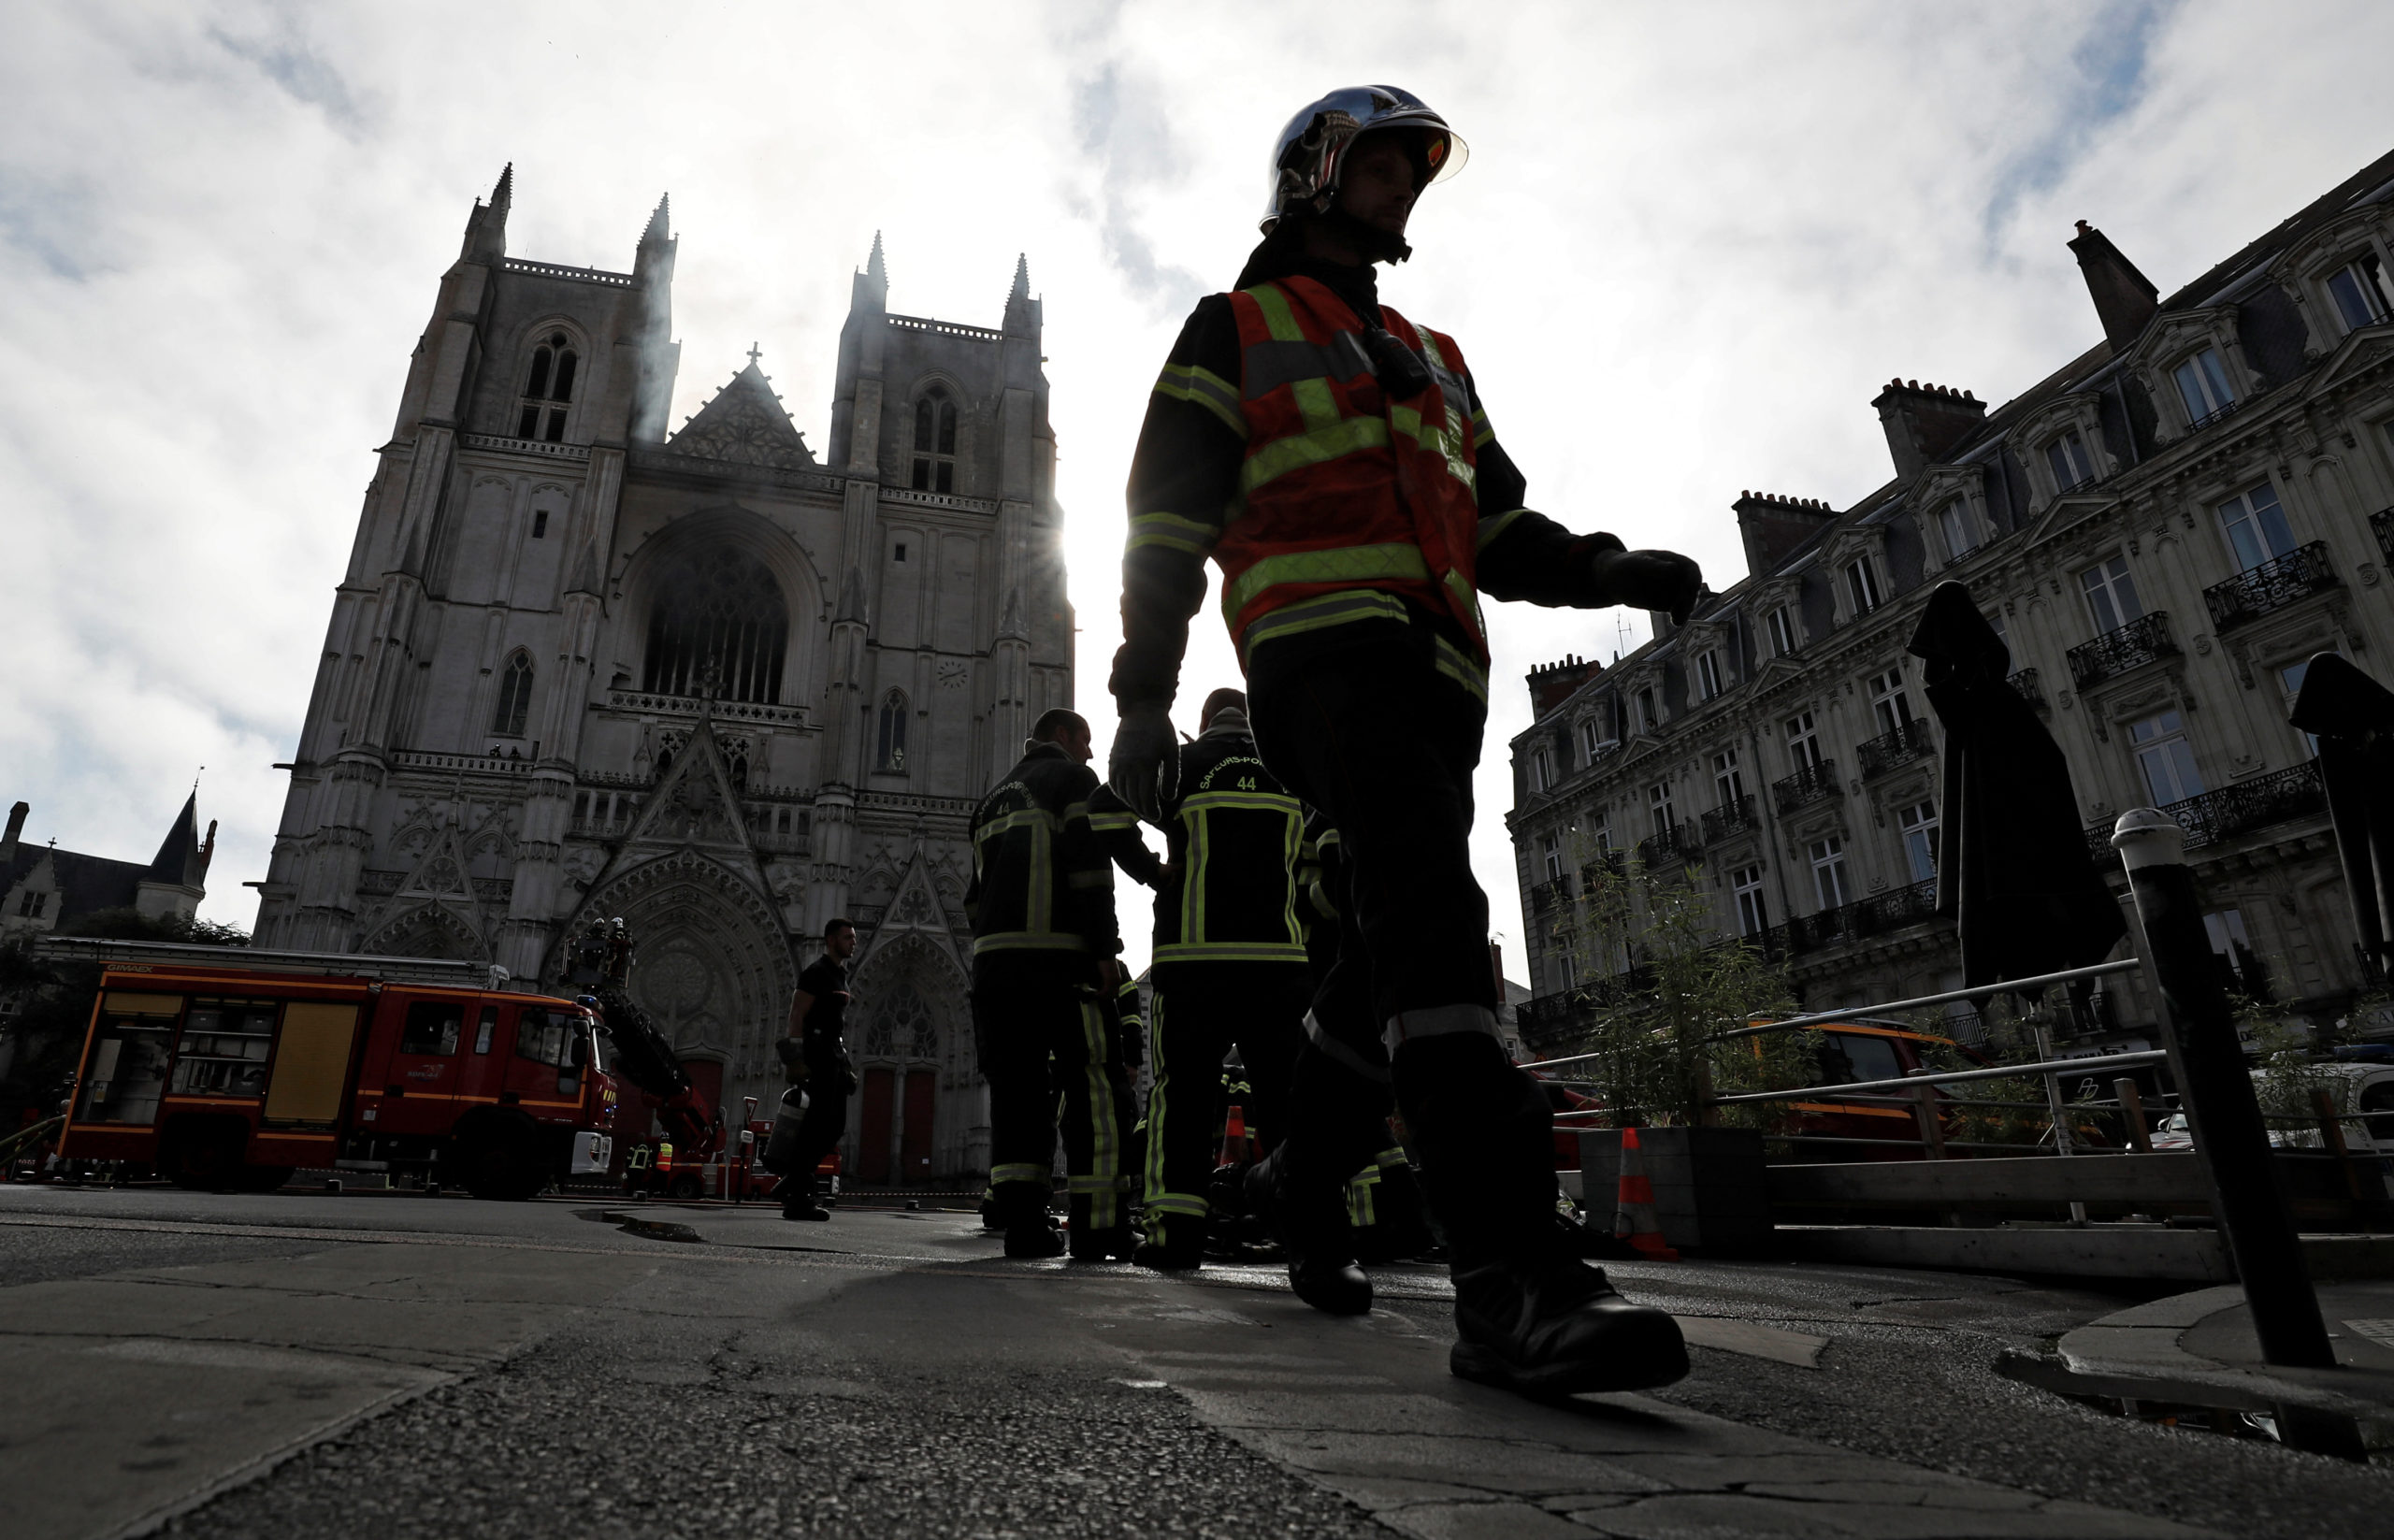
<point>816,1060</point>
<point>1230,968</point>
<point>1336,463</point>
<point>1044,968</point>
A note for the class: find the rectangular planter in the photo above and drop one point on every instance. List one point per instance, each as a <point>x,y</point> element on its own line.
<point>1709,1190</point>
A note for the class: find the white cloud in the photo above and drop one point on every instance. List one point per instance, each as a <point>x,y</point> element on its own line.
<point>1691,244</point>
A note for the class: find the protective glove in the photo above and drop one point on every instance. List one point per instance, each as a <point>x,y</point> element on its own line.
<point>1143,765</point>
<point>1650,580</point>
<point>793,1060</point>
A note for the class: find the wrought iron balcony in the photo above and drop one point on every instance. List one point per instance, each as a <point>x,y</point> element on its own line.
<point>1612,863</point>
<point>1677,842</point>
<point>1735,817</point>
<point>2214,415</point>
<point>2115,652</point>
<point>1550,895</point>
<point>2024,686</point>
<point>2382,523</point>
<point>1890,750</point>
<point>2273,586</point>
<point>1897,908</point>
<point>2277,798</point>
<point>1808,785</point>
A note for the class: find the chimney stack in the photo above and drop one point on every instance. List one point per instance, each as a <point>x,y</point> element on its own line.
<point>1553,683</point>
<point>16,829</point>
<point>1926,423</point>
<point>2125,299</point>
<point>1773,526</point>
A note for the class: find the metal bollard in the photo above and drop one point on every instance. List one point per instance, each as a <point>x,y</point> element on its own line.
<point>2199,1033</point>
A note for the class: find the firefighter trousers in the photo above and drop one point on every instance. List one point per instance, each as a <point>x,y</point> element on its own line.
<point>1029,1008</point>
<point>1383,740</point>
<point>1200,1010</point>
<point>817,1134</point>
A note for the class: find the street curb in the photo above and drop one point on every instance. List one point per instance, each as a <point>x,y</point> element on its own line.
<point>2137,1353</point>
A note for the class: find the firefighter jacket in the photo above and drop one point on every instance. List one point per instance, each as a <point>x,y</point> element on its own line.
<point>1117,831</point>
<point>1270,447</point>
<point>1235,837</point>
<point>1040,880</point>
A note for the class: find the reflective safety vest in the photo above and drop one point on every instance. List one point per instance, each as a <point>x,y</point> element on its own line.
<point>1350,502</point>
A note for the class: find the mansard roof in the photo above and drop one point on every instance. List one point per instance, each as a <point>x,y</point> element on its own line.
<point>745,425</point>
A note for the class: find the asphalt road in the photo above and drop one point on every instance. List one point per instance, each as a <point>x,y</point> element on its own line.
<point>373,1365</point>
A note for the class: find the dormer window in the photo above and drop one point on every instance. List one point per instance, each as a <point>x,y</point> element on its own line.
<point>2359,289</point>
<point>2065,455</point>
<point>1961,533</point>
<point>1592,739</point>
<point>1782,633</point>
<point>1650,716</point>
<point>2202,387</point>
<point>934,441</point>
<point>1708,673</point>
<point>1862,585</point>
<point>1541,767</point>
<point>548,391</point>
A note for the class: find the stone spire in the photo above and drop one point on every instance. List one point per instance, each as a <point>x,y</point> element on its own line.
<point>876,273</point>
<point>660,224</point>
<point>1022,312</point>
<point>486,226</point>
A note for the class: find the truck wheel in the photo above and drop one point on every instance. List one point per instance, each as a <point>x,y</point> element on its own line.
<point>201,1157</point>
<point>502,1165</point>
<point>685,1187</point>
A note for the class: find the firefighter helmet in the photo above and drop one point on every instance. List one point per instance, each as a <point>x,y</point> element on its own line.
<point>1312,150</point>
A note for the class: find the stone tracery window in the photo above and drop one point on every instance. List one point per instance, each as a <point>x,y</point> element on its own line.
<point>548,390</point>
<point>906,1018</point>
<point>891,745</point>
<point>718,624</point>
<point>934,441</point>
<point>515,699</point>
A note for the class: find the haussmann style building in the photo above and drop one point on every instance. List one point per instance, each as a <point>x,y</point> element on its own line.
<point>2163,531</point>
<point>585,665</point>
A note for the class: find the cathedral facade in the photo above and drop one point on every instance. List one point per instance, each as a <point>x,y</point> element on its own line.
<point>582,666</point>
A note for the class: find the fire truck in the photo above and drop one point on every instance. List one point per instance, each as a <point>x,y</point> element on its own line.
<point>233,1067</point>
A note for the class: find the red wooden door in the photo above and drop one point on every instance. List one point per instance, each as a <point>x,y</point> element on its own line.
<point>873,1128</point>
<point>914,1147</point>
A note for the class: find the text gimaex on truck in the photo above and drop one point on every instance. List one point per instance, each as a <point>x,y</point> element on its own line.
<point>229,1066</point>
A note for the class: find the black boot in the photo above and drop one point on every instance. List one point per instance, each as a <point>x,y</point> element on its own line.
<point>1176,1244</point>
<point>798,1201</point>
<point>1113,1243</point>
<point>1553,1326</point>
<point>1034,1237</point>
<point>1311,1227</point>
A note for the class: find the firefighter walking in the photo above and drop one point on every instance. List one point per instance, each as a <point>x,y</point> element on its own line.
<point>815,1058</point>
<point>1044,944</point>
<point>1230,969</point>
<point>1335,461</point>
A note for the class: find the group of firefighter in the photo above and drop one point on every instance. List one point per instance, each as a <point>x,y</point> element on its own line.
<point>1316,908</point>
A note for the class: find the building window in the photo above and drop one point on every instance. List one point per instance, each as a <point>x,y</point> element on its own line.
<point>1600,828</point>
<point>1753,916</point>
<point>2359,290</point>
<point>889,750</point>
<point>1862,585</point>
<point>32,905</point>
<point>1708,673</point>
<point>540,522</point>
<point>1889,706</point>
<point>1650,718</point>
<point>2072,467</point>
<point>2202,387</point>
<point>1918,823</point>
<point>1658,809</point>
<point>935,441</point>
<point>515,699</point>
<point>1728,779</point>
<point>899,555</point>
<point>1541,767</point>
<point>548,391</point>
<point>2167,759</point>
<point>2256,526</point>
<point>2111,594</point>
<point>1828,872</point>
<point>719,624</point>
<point>2291,683</point>
<point>1552,849</point>
<point>1961,531</point>
<point>1782,632</point>
<point>1592,739</point>
<point>1803,742</point>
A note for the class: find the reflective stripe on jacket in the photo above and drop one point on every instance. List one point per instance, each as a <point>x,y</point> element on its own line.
<point>1041,883</point>
<point>1322,437</point>
<point>1235,835</point>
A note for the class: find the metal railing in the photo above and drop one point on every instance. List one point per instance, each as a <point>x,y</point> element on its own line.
<point>2225,409</point>
<point>1551,894</point>
<point>2212,816</point>
<point>1806,785</point>
<point>2139,642</point>
<point>1733,817</point>
<point>2024,684</point>
<point>2381,524</point>
<point>2273,586</point>
<point>1906,741</point>
<point>1677,843</point>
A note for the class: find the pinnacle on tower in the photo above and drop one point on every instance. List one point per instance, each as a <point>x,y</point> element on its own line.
<point>504,193</point>
<point>1021,277</point>
<point>486,226</point>
<point>660,224</point>
<point>874,268</point>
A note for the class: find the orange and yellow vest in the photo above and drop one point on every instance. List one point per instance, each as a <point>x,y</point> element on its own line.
<point>1351,502</point>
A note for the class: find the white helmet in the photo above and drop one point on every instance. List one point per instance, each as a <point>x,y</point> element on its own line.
<point>1312,150</point>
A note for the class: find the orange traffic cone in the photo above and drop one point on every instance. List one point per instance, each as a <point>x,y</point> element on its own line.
<point>1633,1215</point>
<point>1233,1137</point>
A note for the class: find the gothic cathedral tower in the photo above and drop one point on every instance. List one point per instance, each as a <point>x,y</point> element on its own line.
<point>581,666</point>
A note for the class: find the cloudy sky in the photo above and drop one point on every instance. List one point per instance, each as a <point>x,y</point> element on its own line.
<point>1691,241</point>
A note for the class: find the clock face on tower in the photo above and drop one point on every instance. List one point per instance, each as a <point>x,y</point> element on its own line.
<point>952,673</point>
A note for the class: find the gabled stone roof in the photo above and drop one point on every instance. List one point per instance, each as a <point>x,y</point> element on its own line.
<point>745,425</point>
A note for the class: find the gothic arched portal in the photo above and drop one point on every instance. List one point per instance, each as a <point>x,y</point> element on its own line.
<point>919,1114</point>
